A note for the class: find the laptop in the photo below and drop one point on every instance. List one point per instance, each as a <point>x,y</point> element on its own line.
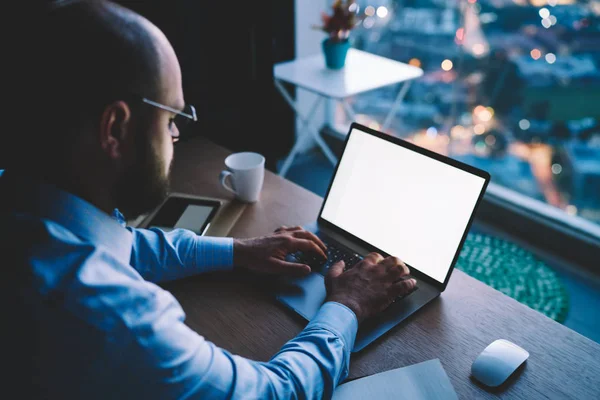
<point>389,196</point>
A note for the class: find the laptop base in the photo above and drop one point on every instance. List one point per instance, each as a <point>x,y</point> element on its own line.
<point>306,295</point>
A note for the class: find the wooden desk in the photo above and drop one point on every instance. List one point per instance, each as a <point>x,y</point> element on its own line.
<point>236,311</point>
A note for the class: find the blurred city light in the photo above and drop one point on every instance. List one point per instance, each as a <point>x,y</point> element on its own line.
<point>478,110</point>
<point>538,3</point>
<point>485,115</point>
<point>459,132</point>
<point>447,65</point>
<point>382,11</point>
<point>431,132</point>
<point>479,129</point>
<point>481,149</point>
<point>370,11</point>
<point>536,54</point>
<point>415,62</point>
<point>524,124</point>
<point>490,140</point>
<point>546,23</point>
<point>550,58</point>
<point>544,12</point>
<point>478,49</point>
<point>556,169</point>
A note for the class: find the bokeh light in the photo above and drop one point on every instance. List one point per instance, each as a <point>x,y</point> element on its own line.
<point>478,49</point>
<point>571,210</point>
<point>415,62</point>
<point>382,11</point>
<point>447,65</point>
<point>524,124</point>
<point>458,132</point>
<point>546,23</point>
<point>556,169</point>
<point>431,132</point>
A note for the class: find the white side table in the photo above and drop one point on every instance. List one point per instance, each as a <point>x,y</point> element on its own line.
<point>363,72</point>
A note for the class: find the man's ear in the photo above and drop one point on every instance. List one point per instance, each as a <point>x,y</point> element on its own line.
<point>115,129</point>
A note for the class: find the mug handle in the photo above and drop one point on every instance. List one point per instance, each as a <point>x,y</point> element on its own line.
<point>223,177</point>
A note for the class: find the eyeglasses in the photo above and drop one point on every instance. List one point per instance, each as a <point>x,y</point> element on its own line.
<point>182,118</point>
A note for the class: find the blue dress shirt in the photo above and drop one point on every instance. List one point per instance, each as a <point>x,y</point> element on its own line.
<point>90,323</point>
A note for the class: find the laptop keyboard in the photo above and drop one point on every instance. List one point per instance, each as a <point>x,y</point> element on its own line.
<point>334,253</point>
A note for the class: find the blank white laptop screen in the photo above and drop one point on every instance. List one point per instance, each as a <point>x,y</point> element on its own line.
<point>406,204</point>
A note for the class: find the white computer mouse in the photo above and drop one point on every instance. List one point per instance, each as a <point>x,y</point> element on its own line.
<point>497,362</point>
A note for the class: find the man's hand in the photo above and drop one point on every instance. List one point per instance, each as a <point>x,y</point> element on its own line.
<point>267,253</point>
<point>370,286</point>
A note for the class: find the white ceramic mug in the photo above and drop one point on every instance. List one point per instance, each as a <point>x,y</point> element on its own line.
<point>246,171</point>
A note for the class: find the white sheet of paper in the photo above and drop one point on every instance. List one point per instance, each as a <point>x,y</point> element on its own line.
<point>423,381</point>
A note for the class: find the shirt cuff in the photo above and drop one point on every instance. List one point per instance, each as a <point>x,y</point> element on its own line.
<point>338,319</point>
<point>214,253</point>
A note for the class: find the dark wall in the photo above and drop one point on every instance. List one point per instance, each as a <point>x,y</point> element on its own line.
<point>227,50</point>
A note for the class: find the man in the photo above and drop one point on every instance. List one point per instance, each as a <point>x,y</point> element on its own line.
<point>87,321</point>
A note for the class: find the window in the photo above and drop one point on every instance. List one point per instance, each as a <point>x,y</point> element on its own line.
<point>510,86</point>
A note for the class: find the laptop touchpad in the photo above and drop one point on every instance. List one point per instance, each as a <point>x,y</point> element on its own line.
<point>304,295</point>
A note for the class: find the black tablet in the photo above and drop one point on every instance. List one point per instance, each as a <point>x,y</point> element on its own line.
<point>186,213</point>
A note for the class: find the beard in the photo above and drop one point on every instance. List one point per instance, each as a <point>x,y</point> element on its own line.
<point>144,186</point>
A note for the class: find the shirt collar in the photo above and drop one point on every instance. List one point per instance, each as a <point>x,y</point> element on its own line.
<point>80,217</point>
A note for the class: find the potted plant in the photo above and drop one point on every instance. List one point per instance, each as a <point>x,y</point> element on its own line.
<point>338,26</point>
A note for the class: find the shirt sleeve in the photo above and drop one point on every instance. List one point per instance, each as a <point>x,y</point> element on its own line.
<point>162,256</point>
<point>174,362</point>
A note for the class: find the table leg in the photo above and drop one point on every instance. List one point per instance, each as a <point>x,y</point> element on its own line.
<point>328,153</point>
<point>401,93</point>
<point>349,111</point>
<point>305,132</point>
<point>287,163</point>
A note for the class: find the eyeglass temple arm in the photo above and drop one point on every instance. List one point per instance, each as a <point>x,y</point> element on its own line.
<point>171,109</point>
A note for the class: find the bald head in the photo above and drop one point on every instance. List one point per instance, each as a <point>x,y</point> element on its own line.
<point>98,48</point>
<point>82,56</point>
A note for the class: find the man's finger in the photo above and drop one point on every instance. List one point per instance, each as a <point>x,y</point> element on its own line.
<point>396,264</point>
<point>311,236</point>
<point>374,258</point>
<point>284,228</point>
<point>290,268</point>
<point>403,287</point>
<point>307,246</point>
<point>336,269</point>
